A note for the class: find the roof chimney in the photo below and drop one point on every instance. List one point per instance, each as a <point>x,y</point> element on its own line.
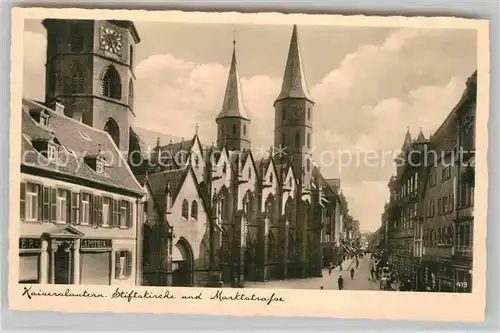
<point>57,106</point>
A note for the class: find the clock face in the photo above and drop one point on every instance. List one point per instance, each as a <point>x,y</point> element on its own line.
<point>111,41</point>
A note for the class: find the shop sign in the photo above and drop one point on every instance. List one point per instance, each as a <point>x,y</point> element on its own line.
<point>95,243</point>
<point>30,243</point>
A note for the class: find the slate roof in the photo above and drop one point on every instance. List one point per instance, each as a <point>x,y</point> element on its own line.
<point>294,80</point>
<point>76,141</point>
<point>232,105</point>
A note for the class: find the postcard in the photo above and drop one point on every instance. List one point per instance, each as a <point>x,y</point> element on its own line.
<point>248,164</point>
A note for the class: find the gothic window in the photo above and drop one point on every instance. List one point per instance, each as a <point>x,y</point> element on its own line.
<point>249,173</point>
<point>111,83</point>
<point>271,177</point>
<point>271,247</point>
<point>111,127</point>
<point>308,113</point>
<point>308,164</point>
<point>131,94</point>
<point>234,129</point>
<point>76,38</point>
<point>297,140</point>
<point>77,82</point>
<point>131,57</point>
<point>194,210</point>
<point>244,129</point>
<point>225,247</point>
<point>185,209</point>
<point>308,140</point>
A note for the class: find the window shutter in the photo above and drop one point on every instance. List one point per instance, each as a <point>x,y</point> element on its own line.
<point>22,201</point>
<point>117,264</point>
<point>130,217</point>
<point>69,202</point>
<point>99,212</point>
<point>92,205</point>
<point>110,212</point>
<point>80,213</point>
<point>128,261</point>
<point>40,202</point>
<point>75,201</point>
<point>53,204</point>
<point>46,203</point>
<point>115,218</point>
<point>118,212</point>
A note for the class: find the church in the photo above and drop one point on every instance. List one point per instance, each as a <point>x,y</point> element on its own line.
<point>199,215</point>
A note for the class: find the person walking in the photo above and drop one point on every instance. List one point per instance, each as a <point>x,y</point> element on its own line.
<point>373,273</point>
<point>340,281</point>
<point>352,273</point>
<point>330,267</point>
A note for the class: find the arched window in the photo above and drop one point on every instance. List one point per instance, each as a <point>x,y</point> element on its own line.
<point>244,129</point>
<point>111,83</point>
<point>271,246</point>
<point>283,139</point>
<point>234,129</point>
<point>131,57</point>
<point>185,209</point>
<point>77,82</point>
<point>111,127</point>
<point>194,210</point>
<point>249,173</point>
<point>297,140</point>
<point>76,38</point>
<point>308,140</point>
<point>131,94</point>
<point>225,247</point>
<point>270,177</point>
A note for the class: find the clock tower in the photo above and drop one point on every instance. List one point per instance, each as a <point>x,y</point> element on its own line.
<point>293,114</point>
<point>90,70</point>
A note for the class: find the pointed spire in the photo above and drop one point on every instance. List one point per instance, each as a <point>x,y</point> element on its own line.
<point>408,140</point>
<point>294,81</point>
<point>421,136</point>
<point>196,127</point>
<point>233,105</point>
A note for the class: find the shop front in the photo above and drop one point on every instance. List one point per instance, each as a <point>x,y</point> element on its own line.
<point>446,278</point>
<point>69,259</point>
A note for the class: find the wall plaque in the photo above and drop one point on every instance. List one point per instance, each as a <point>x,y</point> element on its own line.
<point>95,243</point>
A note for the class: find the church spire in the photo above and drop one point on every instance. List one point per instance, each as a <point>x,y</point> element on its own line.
<point>233,105</point>
<point>408,139</point>
<point>294,81</point>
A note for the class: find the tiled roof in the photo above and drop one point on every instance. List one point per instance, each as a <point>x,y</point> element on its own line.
<point>158,182</point>
<point>77,140</point>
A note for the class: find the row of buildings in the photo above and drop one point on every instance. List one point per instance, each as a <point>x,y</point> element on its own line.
<point>427,226</point>
<point>94,209</point>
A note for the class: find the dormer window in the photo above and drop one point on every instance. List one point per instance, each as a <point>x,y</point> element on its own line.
<point>51,152</point>
<point>99,166</point>
<point>97,163</point>
<point>41,116</point>
<point>44,119</point>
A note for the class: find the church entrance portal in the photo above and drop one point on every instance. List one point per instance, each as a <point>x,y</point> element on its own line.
<point>182,264</point>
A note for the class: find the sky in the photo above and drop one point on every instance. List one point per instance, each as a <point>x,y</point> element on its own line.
<point>369,85</point>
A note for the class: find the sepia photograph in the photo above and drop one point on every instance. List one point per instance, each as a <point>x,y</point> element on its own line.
<point>244,156</point>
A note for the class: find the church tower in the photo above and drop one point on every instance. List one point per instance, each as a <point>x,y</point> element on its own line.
<point>90,70</point>
<point>293,114</point>
<point>233,123</point>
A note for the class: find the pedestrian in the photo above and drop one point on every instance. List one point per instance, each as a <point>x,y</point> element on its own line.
<point>340,282</point>
<point>373,273</point>
<point>330,269</point>
<point>321,287</point>
<point>352,273</point>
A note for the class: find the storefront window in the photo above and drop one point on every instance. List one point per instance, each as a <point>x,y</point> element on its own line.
<point>29,268</point>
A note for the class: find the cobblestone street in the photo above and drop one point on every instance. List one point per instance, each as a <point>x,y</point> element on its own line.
<point>361,279</point>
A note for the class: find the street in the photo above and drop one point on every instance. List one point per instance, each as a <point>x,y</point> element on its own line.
<point>329,282</point>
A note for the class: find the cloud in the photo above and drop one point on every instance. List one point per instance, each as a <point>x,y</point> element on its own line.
<point>174,94</point>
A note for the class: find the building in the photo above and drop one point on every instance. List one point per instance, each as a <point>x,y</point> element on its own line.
<point>255,219</point>
<point>80,202</point>
<point>430,213</point>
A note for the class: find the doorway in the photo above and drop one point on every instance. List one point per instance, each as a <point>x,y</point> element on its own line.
<point>182,264</point>
<point>63,266</point>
